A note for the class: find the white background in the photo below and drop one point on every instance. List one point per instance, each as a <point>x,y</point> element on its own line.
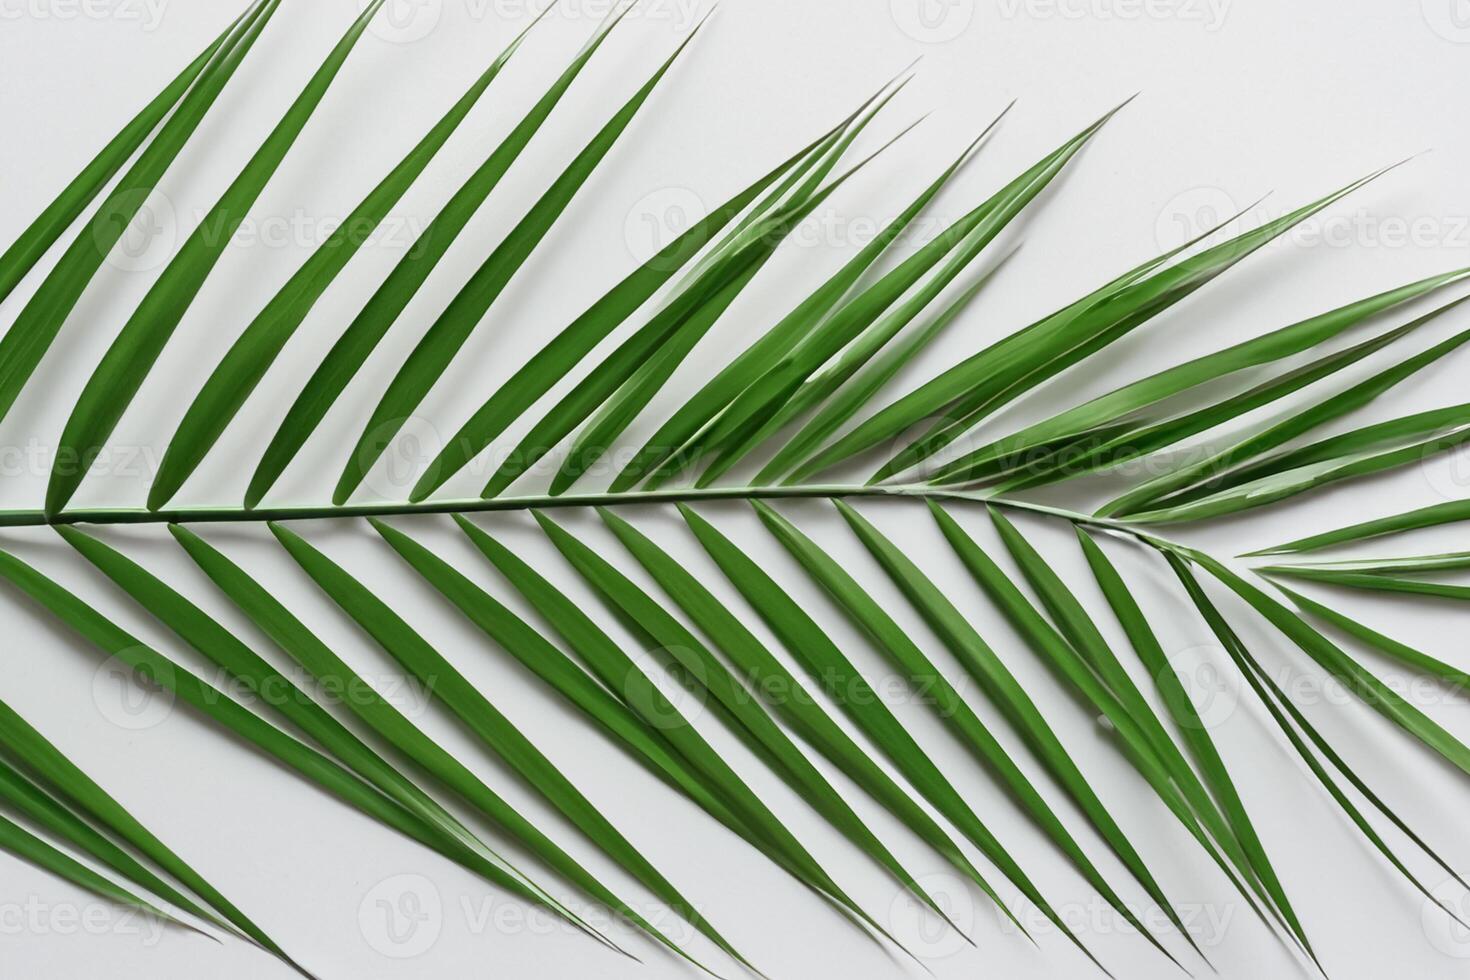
<point>1238,98</point>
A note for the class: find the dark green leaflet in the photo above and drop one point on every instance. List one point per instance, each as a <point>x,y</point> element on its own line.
<point>972,389</point>
<point>1265,349</point>
<point>44,763</point>
<point>276,692</point>
<point>1201,478</point>
<point>727,797</point>
<point>1007,695</point>
<point>135,350</point>
<point>41,319</point>
<point>292,636</point>
<point>576,341</point>
<point>1371,582</point>
<point>383,308</point>
<point>1405,565</point>
<point>830,668</point>
<point>958,246</point>
<point>694,663</point>
<point>739,263</point>
<point>493,729</point>
<point>659,453</point>
<point>1279,705</point>
<point>211,702</point>
<point>51,223</point>
<point>258,346</point>
<point>620,410</point>
<point>435,351</point>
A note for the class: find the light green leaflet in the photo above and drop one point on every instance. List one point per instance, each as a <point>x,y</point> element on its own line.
<point>1279,705</point>
<point>383,308</point>
<point>856,378</point>
<point>1001,687</point>
<point>1405,565</point>
<point>1141,439</point>
<point>436,350</point>
<point>493,729</point>
<point>1273,346</point>
<point>58,216</point>
<point>41,319</point>
<point>1370,582</point>
<point>1200,479</point>
<point>971,390</point>
<point>1435,515</point>
<point>959,245</point>
<point>258,346</point>
<point>664,450</point>
<point>333,674</point>
<point>135,350</point>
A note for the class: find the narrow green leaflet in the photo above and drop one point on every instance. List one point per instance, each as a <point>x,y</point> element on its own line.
<point>1202,477</point>
<point>58,216</point>
<point>732,268</point>
<point>214,704</point>
<point>388,302</point>
<point>1279,705</point>
<point>694,663</point>
<point>972,389</point>
<point>330,671</point>
<point>1273,346</point>
<point>273,688</point>
<point>1405,565</point>
<point>1006,693</point>
<point>830,668</point>
<point>1386,645</point>
<point>1348,456</point>
<point>1371,582</point>
<point>1149,758</point>
<point>41,319</point>
<point>493,729</point>
<point>767,351</point>
<point>138,345</point>
<point>727,797</point>
<point>41,808</point>
<point>1435,515</point>
<point>959,246</point>
<point>620,410</point>
<point>856,378</point>
<point>435,351</point>
<point>576,341</point>
<point>258,346</point>
<point>44,763</point>
<point>1141,439</point>
<point>1364,685</point>
<point>923,677</point>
